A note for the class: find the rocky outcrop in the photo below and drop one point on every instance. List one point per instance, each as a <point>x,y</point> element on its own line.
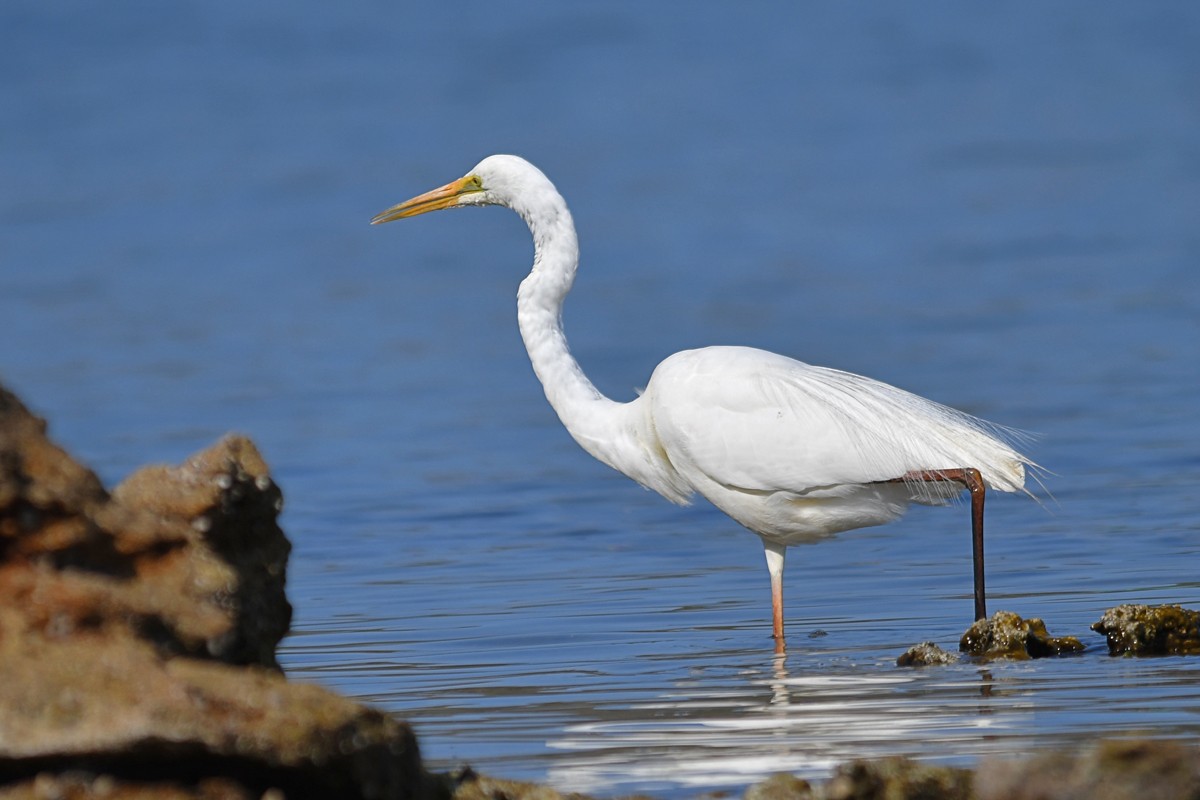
<point>115,707</point>
<point>138,633</point>
<point>188,558</point>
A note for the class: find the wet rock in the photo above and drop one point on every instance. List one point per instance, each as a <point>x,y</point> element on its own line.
<point>1115,770</point>
<point>470,785</point>
<point>780,787</point>
<point>188,557</point>
<point>897,779</point>
<point>1111,770</point>
<point>1007,635</point>
<point>925,654</point>
<point>1150,630</point>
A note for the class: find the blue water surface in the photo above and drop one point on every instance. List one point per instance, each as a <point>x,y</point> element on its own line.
<point>995,207</point>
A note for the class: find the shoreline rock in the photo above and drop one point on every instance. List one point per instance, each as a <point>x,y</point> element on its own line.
<point>188,557</point>
<point>138,633</point>
<point>133,715</point>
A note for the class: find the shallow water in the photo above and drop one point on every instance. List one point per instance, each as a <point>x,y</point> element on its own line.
<point>994,209</point>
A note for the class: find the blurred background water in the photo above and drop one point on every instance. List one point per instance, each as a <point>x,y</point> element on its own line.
<point>995,207</point>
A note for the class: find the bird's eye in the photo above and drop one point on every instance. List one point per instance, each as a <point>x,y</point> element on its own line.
<point>475,182</point>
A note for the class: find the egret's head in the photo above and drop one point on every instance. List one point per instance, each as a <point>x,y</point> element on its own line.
<point>497,180</point>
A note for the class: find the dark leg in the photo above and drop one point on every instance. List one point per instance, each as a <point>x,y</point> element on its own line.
<point>973,481</point>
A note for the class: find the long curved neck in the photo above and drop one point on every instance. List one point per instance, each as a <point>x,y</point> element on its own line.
<point>587,414</point>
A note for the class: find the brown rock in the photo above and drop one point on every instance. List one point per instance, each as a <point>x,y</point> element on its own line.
<point>90,786</point>
<point>780,787</point>
<point>1116,770</point>
<point>37,479</point>
<point>188,557</point>
<point>1150,630</point>
<point>925,654</point>
<point>470,785</point>
<point>1007,635</point>
<point>119,708</point>
<point>138,634</point>
<point>897,779</point>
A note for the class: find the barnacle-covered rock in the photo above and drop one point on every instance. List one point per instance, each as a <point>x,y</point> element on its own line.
<point>1150,630</point>
<point>1007,635</point>
<point>926,654</point>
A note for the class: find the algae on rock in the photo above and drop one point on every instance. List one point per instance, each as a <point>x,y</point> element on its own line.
<point>1142,630</point>
<point>1007,635</point>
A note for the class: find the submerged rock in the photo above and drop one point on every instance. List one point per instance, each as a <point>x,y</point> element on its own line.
<point>925,654</point>
<point>1007,635</point>
<point>1112,770</point>
<point>1150,630</point>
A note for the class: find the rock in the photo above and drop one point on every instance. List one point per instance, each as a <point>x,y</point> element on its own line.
<point>467,784</point>
<point>1112,770</point>
<point>1150,630</point>
<point>138,634</point>
<point>925,654</point>
<point>1007,635</point>
<point>897,779</point>
<point>38,481</point>
<point>119,708</point>
<point>188,557</point>
<point>780,787</point>
<point>82,785</point>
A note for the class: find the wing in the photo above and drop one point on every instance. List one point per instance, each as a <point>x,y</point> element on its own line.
<point>758,421</point>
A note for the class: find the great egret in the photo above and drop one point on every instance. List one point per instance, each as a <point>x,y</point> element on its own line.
<point>793,452</point>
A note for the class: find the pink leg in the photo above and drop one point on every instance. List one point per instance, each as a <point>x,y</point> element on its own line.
<point>775,554</point>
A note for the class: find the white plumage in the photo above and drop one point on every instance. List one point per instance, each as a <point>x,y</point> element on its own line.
<point>791,451</point>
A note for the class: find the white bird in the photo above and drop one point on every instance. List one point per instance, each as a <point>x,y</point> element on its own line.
<point>793,452</point>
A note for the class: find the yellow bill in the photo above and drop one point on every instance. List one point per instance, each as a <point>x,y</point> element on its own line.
<point>446,196</point>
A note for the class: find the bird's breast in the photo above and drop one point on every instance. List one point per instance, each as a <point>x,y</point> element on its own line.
<point>790,518</point>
